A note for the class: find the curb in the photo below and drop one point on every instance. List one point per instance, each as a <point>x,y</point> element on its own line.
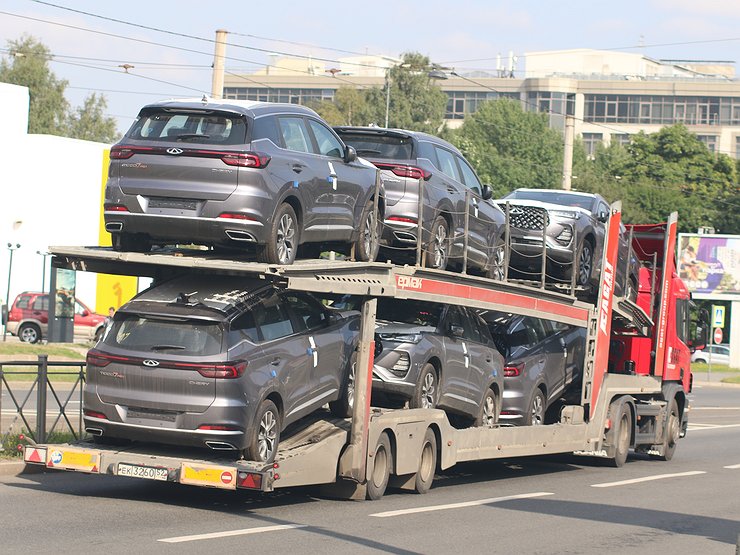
<point>12,468</point>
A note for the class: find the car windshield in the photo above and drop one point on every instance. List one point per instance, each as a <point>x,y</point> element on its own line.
<point>554,197</point>
<point>190,127</point>
<point>391,147</point>
<point>150,334</point>
<point>409,312</point>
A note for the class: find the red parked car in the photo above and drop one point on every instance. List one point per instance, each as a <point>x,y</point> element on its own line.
<point>28,318</point>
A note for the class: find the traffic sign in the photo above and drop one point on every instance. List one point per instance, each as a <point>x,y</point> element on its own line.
<point>718,316</point>
<point>717,336</point>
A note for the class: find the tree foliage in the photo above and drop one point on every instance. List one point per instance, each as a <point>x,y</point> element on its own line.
<point>511,148</point>
<point>49,111</point>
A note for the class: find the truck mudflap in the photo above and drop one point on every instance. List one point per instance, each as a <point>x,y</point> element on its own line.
<point>238,475</point>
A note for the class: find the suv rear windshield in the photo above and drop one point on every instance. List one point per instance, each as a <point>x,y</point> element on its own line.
<point>191,127</point>
<point>159,335</point>
<point>420,313</point>
<point>380,146</point>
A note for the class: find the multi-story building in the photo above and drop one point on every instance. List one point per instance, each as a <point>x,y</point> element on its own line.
<point>612,95</point>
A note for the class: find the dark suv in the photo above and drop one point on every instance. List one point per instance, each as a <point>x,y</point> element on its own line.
<point>220,362</point>
<point>408,158</point>
<point>259,176</point>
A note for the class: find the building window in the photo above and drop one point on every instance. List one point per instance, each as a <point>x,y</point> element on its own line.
<point>621,139</point>
<point>590,140</point>
<point>462,103</point>
<point>662,110</point>
<point>710,141</point>
<point>737,148</point>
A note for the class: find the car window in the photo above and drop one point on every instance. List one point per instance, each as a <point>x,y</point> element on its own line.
<point>79,309</point>
<point>184,337</point>
<point>379,146</point>
<point>309,315</point>
<point>603,207</point>
<point>295,135</point>
<point>22,302</point>
<point>272,319</point>
<point>459,317</point>
<point>328,144</point>
<point>447,163</point>
<point>41,303</point>
<point>266,128</point>
<point>559,326</point>
<point>426,150</point>
<point>192,127</point>
<point>420,313</point>
<point>469,177</point>
<point>243,327</point>
<point>555,197</point>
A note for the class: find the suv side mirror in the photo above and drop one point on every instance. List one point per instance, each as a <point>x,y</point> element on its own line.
<point>456,330</point>
<point>350,155</point>
<point>487,193</point>
<point>603,217</point>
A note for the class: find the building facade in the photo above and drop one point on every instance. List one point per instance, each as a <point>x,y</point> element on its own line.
<point>611,95</point>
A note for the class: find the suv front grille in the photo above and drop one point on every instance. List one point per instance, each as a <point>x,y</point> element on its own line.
<point>528,217</point>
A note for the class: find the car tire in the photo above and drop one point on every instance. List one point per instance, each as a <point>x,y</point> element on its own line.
<point>427,463</point>
<point>536,411</point>
<point>585,265</point>
<point>380,473</point>
<point>29,333</point>
<point>264,437</point>
<point>438,248</point>
<point>283,237</point>
<point>368,240</point>
<point>488,411</point>
<point>342,407</point>
<point>426,392</point>
<point>131,242</point>
<point>701,360</point>
<point>497,263</point>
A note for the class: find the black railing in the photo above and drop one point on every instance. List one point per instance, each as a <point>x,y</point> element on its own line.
<point>52,399</point>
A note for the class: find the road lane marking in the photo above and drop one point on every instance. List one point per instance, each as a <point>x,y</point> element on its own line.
<point>460,505</point>
<point>732,466</point>
<point>647,479</point>
<point>713,427</point>
<point>243,532</point>
<point>714,408</point>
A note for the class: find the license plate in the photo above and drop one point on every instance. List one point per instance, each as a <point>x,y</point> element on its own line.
<point>138,471</point>
<point>178,204</point>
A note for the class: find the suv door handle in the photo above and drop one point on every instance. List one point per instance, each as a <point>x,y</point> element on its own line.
<point>298,168</point>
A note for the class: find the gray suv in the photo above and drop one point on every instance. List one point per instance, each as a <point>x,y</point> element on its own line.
<point>408,158</point>
<point>258,176</point>
<point>219,362</point>
<point>438,356</point>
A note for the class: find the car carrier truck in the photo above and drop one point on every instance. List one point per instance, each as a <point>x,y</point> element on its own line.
<point>634,393</point>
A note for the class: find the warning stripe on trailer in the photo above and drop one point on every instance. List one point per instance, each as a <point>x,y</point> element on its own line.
<point>511,300</point>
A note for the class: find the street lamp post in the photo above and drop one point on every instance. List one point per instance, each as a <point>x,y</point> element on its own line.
<point>11,247</point>
<point>43,270</point>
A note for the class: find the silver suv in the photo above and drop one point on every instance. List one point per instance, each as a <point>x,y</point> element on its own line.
<point>220,362</point>
<point>260,176</point>
<point>408,159</point>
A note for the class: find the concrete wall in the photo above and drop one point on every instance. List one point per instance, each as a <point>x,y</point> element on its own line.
<point>51,195</point>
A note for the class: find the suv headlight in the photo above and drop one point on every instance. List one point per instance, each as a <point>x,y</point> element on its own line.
<point>565,214</point>
<point>403,338</point>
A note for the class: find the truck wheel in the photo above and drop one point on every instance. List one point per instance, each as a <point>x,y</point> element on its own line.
<point>265,436</point>
<point>622,436</point>
<point>427,463</point>
<point>342,407</point>
<point>368,241</point>
<point>671,433</point>
<point>380,473</point>
<point>29,333</point>
<point>438,248</point>
<point>426,392</point>
<point>282,239</point>
<point>487,414</point>
<point>536,414</point>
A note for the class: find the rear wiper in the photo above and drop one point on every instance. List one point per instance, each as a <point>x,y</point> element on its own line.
<point>192,136</point>
<point>166,347</point>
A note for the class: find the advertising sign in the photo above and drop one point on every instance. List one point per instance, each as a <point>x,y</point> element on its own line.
<point>710,263</point>
<point>65,293</point>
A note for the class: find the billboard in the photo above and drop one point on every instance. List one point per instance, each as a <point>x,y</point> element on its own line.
<point>709,264</point>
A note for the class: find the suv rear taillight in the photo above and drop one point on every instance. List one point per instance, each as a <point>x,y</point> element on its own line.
<point>412,172</point>
<point>512,371</point>
<point>124,152</point>
<point>228,371</point>
<point>95,358</point>
<point>246,159</point>
<point>95,414</point>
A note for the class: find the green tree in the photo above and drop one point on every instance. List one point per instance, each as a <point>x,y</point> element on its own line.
<point>28,66</point>
<point>349,107</point>
<point>511,148</point>
<point>90,123</point>
<point>49,111</point>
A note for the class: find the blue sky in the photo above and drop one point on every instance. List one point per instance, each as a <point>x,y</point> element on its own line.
<point>467,34</point>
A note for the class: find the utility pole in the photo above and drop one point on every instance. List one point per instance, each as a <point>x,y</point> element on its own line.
<point>217,83</point>
<point>568,152</point>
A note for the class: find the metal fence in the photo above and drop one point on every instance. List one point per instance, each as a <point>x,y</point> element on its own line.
<point>41,405</point>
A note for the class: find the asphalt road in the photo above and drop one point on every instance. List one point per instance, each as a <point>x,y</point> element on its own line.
<point>555,504</point>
